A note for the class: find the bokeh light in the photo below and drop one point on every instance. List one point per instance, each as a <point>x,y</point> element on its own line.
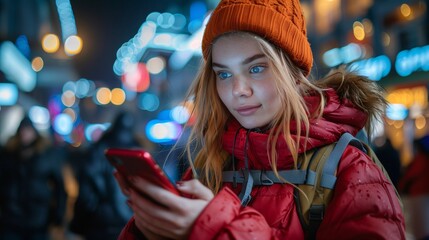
<point>37,64</point>
<point>148,102</point>
<point>136,77</point>
<point>63,124</point>
<point>155,65</point>
<point>358,31</point>
<point>68,98</point>
<point>118,96</point>
<point>73,45</point>
<point>180,114</point>
<point>40,117</point>
<point>103,96</point>
<point>50,43</point>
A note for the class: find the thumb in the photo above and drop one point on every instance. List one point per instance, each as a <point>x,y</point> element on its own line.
<point>196,189</point>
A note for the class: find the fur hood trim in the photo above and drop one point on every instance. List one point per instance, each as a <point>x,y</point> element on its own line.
<point>366,94</point>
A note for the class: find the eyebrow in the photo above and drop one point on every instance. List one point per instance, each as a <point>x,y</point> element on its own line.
<point>246,61</point>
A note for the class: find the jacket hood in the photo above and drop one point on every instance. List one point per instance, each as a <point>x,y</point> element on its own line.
<point>362,92</point>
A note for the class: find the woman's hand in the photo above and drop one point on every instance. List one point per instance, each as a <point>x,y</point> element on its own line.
<point>167,215</point>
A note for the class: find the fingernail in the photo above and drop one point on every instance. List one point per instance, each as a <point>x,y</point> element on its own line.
<point>179,183</point>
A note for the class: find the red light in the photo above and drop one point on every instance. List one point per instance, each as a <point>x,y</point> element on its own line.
<point>136,78</point>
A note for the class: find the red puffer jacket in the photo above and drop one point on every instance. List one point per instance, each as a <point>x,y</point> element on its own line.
<point>364,203</point>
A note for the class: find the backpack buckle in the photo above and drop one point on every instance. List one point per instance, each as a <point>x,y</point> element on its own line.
<point>316,213</point>
<point>265,180</point>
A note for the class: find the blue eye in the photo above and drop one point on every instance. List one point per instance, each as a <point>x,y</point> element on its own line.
<point>257,69</point>
<point>223,75</point>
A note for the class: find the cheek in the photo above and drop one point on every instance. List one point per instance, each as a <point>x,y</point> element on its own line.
<point>221,91</point>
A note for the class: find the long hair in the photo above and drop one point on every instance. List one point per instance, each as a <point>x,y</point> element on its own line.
<point>211,115</point>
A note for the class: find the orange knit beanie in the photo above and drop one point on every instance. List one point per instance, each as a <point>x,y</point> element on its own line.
<point>279,21</point>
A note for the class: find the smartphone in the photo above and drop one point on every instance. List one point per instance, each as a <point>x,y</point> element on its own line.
<point>138,162</point>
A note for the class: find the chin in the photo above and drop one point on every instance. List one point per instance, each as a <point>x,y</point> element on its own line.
<point>251,125</point>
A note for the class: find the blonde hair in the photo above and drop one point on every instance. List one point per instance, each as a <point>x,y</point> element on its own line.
<point>211,115</point>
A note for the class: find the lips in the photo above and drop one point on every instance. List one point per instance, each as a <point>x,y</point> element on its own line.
<point>247,110</point>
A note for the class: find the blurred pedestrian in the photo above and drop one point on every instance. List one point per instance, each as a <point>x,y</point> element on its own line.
<point>414,184</point>
<point>390,158</point>
<point>32,192</point>
<point>100,211</point>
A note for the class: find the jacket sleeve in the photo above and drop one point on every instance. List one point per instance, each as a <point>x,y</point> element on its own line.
<point>131,232</point>
<point>364,203</point>
<point>225,218</point>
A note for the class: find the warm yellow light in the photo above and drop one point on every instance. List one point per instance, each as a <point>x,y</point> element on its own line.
<point>68,98</point>
<point>409,96</point>
<point>71,113</point>
<point>405,10</point>
<point>398,124</point>
<point>368,27</point>
<point>358,31</point>
<point>420,122</point>
<point>103,95</point>
<point>73,45</point>
<point>50,43</point>
<point>37,64</point>
<point>118,96</point>
<point>386,39</point>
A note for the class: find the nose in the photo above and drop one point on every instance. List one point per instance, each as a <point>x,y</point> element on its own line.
<point>241,87</point>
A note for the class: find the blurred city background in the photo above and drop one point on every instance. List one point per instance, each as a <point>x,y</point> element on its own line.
<point>73,65</point>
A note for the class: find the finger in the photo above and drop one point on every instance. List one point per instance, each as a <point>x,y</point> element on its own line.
<point>149,234</point>
<point>122,183</point>
<point>152,216</point>
<point>196,189</point>
<point>158,194</point>
<point>151,207</point>
<point>151,228</point>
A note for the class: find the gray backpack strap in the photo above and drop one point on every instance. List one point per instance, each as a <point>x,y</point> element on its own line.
<point>266,178</point>
<point>328,174</point>
<point>246,187</point>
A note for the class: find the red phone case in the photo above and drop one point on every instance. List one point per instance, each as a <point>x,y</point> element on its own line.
<point>138,162</point>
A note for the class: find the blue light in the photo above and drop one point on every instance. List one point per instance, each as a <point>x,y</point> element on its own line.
<point>373,68</point>
<point>350,53</point>
<point>40,117</point>
<point>16,67</point>
<point>23,45</point>
<point>8,94</point>
<point>164,132</point>
<point>180,114</point>
<point>332,57</point>
<point>148,102</point>
<point>93,132</point>
<point>197,11</point>
<point>396,112</point>
<point>63,124</point>
<point>165,115</point>
<point>409,61</point>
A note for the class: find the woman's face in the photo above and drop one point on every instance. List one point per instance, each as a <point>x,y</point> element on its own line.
<point>245,83</point>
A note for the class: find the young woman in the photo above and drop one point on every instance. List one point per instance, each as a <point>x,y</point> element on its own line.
<point>256,110</point>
